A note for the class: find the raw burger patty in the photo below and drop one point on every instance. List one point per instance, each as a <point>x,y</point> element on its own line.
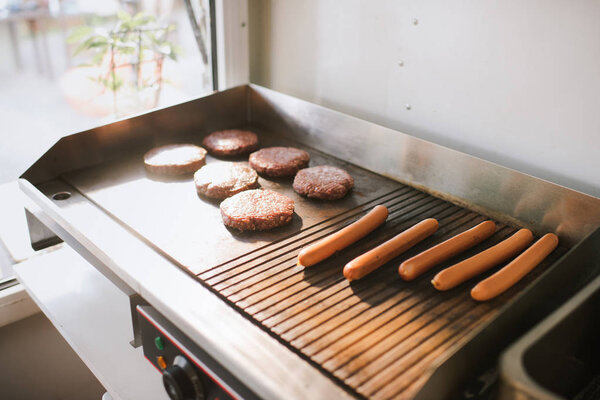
<point>222,180</point>
<point>279,161</point>
<point>323,182</point>
<point>257,210</point>
<point>175,159</point>
<point>231,142</point>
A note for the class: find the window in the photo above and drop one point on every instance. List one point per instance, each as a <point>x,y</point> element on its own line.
<point>70,65</point>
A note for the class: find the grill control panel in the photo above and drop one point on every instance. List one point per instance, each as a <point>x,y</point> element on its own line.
<point>188,372</point>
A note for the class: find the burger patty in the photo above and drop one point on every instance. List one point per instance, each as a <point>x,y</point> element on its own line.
<point>231,142</point>
<point>223,179</point>
<point>324,182</point>
<point>257,210</point>
<point>175,159</point>
<point>279,161</point>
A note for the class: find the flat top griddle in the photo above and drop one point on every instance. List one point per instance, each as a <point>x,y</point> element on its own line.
<point>378,337</point>
<point>188,228</point>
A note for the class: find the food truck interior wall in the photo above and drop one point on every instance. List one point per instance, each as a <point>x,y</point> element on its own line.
<point>516,83</point>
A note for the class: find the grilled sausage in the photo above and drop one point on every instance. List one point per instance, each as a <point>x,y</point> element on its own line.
<point>464,270</point>
<point>423,262</point>
<point>515,270</point>
<point>326,247</point>
<point>373,259</point>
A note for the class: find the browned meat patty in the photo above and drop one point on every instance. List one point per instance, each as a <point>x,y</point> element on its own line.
<point>279,161</point>
<point>175,159</point>
<point>257,210</point>
<point>224,179</point>
<point>231,142</point>
<point>323,182</point>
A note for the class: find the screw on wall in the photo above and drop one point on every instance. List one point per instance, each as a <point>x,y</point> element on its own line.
<point>415,21</point>
<point>408,107</point>
<point>401,63</point>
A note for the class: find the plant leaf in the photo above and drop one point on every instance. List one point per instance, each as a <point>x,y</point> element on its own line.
<point>79,33</point>
<point>123,16</point>
<point>97,59</point>
<point>142,18</point>
<point>83,46</point>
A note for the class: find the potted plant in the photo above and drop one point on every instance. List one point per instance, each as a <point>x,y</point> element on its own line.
<point>127,60</point>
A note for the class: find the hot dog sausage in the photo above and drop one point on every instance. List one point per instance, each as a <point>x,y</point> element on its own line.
<point>326,247</point>
<point>464,270</point>
<point>516,269</point>
<point>419,264</point>
<point>373,259</point>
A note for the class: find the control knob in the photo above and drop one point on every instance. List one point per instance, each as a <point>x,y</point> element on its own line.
<point>182,381</point>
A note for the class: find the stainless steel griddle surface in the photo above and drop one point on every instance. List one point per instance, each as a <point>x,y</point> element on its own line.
<point>379,335</point>
<point>187,228</point>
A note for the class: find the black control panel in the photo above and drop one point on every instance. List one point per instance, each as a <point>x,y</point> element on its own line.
<point>188,372</point>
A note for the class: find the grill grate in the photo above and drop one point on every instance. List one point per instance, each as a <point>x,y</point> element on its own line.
<point>379,335</point>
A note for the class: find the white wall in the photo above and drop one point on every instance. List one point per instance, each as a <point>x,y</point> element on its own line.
<point>514,82</point>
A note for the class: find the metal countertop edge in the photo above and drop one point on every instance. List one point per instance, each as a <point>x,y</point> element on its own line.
<point>246,350</point>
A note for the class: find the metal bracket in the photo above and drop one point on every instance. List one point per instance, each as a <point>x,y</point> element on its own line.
<point>134,301</point>
<point>40,235</point>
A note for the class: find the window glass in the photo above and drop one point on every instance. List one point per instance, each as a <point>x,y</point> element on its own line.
<point>69,65</point>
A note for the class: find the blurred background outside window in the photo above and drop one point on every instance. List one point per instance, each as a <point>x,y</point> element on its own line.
<point>70,65</point>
